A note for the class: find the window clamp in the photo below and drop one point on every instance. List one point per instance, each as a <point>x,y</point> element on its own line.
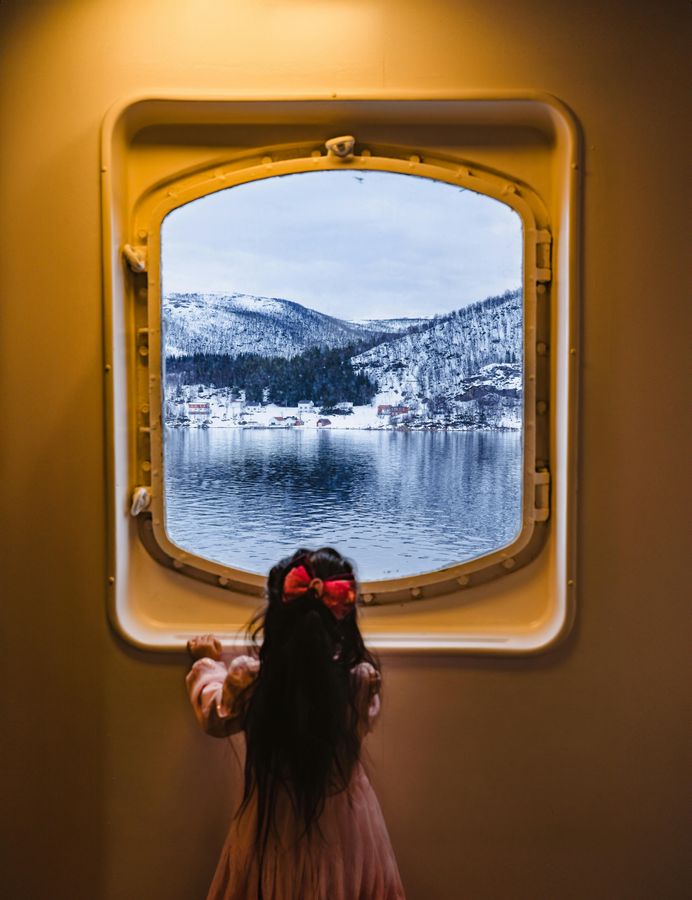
<point>136,257</point>
<point>341,147</point>
<point>141,500</point>
<point>541,484</point>
<point>544,242</point>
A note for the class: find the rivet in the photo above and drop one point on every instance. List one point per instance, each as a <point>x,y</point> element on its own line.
<point>573,351</point>
<point>111,579</point>
<point>365,153</point>
<point>155,473</point>
<point>144,351</point>
<point>570,583</point>
<point>509,563</point>
<point>540,289</point>
<point>107,367</point>
<point>541,348</point>
<point>368,598</point>
<point>266,160</point>
<point>414,160</point>
<point>177,564</point>
<point>541,407</point>
<point>146,466</point>
<point>144,409</point>
<point>223,581</point>
<point>141,234</point>
<point>416,592</point>
<point>142,293</point>
<point>463,580</point>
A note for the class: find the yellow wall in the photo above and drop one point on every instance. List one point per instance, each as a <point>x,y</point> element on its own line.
<point>560,776</point>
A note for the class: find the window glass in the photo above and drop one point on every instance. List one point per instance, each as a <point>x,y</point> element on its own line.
<point>343,364</point>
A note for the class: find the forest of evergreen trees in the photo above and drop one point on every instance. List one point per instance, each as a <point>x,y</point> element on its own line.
<point>323,375</point>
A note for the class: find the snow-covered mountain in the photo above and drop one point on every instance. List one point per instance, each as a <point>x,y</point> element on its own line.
<point>391,325</point>
<point>462,369</point>
<point>240,323</point>
<point>439,356</point>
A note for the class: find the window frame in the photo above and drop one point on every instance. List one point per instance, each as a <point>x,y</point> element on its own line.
<point>446,600</point>
<point>268,162</point>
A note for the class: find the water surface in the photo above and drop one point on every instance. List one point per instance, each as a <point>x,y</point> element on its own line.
<point>397,503</point>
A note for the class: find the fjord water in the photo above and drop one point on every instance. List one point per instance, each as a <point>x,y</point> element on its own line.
<point>397,503</point>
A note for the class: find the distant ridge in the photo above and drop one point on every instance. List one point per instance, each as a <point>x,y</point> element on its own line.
<point>231,324</point>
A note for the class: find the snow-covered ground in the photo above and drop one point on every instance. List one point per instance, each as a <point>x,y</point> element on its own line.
<point>224,414</point>
<point>214,408</point>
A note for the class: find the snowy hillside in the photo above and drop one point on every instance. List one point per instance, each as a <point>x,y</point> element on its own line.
<point>460,370</point>
<point>239,323</point>
<point>436,358</point>
<point>463,368</point>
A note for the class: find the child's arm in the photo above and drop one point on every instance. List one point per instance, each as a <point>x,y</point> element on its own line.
<point>213,688</point>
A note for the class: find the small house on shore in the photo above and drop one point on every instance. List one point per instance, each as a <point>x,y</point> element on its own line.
<point>199,408</point>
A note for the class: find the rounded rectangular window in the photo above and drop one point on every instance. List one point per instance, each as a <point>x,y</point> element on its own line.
<point>364,341</point>
<point>343,362</point>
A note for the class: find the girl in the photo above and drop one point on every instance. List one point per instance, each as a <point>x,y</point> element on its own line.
<point>309,826</point>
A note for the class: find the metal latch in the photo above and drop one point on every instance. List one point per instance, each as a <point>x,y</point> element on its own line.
<point>136,257</point>
<point>341,147</point>
<point>541,485</point>
<point>141,500</point>
<point>543,247</point>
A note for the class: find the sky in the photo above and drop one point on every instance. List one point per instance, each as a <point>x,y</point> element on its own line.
<point>356,245</point>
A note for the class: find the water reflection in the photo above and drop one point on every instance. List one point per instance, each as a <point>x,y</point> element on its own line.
<point>397,502</point>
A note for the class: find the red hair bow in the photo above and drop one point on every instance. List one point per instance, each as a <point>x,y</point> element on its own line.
<point>337,594</point>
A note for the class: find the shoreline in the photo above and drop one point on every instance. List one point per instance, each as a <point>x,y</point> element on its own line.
<point>387,413</point>
<point>193,426</point>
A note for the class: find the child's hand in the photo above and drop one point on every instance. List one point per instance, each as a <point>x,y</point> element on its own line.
<point>206,645</point>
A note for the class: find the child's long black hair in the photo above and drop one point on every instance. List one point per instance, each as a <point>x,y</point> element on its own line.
<point>300,715</point>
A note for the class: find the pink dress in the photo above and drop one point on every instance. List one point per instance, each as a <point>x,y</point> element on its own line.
<point>349,857</point>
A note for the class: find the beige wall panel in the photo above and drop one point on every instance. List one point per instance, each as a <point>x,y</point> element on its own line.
<point>562,776</point>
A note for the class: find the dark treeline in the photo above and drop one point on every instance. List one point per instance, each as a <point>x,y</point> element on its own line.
<point>325,376</point>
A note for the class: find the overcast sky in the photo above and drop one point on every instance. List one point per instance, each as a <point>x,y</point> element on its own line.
<point>355,245</point>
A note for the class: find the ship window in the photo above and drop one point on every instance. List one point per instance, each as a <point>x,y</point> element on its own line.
<point>342,363</point>
<point>363,341</point>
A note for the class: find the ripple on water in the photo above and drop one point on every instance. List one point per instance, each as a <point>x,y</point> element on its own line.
<point>397,503</point>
